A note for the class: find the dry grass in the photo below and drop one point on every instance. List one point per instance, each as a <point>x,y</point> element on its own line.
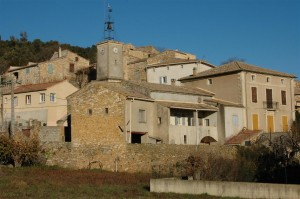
<point>52,182</point>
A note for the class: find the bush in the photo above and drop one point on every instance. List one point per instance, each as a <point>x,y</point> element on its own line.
<point>20,151</point>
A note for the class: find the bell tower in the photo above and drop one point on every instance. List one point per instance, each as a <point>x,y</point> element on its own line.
<point>109,53</point>
<point>110,61</point>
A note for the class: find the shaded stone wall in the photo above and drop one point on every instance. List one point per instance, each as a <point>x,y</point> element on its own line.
<point>128,157</point>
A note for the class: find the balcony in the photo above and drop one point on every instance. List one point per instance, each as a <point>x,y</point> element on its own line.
<point>270,105</point>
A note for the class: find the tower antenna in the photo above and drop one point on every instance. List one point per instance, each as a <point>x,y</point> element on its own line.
<point>108,24</point>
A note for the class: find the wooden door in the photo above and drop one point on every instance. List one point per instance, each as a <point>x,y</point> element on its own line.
<point>285,126</point>
<point>270,123</point>
<point>255,121</point>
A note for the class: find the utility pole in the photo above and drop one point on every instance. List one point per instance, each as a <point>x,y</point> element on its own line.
<point>2,107</point>
<point>12,121</point>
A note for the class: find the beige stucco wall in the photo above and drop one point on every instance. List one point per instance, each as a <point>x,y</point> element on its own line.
<point>227,87</point>
<point>47,112</point>
<point>276,85</point>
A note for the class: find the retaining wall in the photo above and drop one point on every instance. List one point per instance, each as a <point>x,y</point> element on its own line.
<point>226,189</point>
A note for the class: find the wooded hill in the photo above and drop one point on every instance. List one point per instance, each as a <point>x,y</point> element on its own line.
<point>20,51</point>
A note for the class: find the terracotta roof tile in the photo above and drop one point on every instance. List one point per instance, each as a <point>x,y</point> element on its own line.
<point>242,136</point>
<point>33,87</point>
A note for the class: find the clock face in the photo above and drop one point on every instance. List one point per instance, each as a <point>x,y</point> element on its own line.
<point>115,50</point>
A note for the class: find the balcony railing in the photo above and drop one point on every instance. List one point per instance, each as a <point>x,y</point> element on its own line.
<point>270,105</point>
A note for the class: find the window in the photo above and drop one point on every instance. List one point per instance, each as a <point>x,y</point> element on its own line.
<point>268,79</point>
<point>52,97</point>
<point>5,100</point>
<point>159,120</point>
<point>90,112</point>
<point>28,99</point>
<point>106,110</point>
<point>235,120</point>
<point>27,70</point>
<point>50,68</point>
<point>206,122</point>
<point>178,119</point>
<point>42,97</point>
<point>76,58</point>
<point>16,101</point>
<point>142,115</point>
<point>209,81</point>
<point>184,139</point>
<point>71,68</point>
<point>283,97</point>
<point>16,74</point>
<point>253,77</point>
<point>282,81</point>
<point>163,80</point>
<point>254,94</point>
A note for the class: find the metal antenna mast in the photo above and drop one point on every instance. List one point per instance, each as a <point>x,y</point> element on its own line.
<point>108,25</point>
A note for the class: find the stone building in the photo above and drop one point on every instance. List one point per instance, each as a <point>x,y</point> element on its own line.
<point>267,95</point>
<point>113,110</point>
<point>62,65</point>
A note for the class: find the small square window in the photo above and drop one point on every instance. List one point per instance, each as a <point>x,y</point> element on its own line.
<point>76,58</point>
<point>42,97</point>
<point>209,81</point>
<point>90,112</point>
<point>72,68</point>
<point>52,97</point>
<point>159,120</point>
<point>16,101</point>
<point>142,116</point>
<point>206,122</point>
<point>253,78</point>
<point>282,81</point>
<point>106,110</point>
<point>268,79</point>
<point>163,79</point>
<point>28,99</point>
<point>50,68</point>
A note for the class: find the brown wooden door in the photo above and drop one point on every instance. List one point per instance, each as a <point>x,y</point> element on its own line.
<point>269,98</point>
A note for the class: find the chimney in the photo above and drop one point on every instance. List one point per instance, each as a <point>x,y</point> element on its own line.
<point>59,52</point>
<point>194,71</point>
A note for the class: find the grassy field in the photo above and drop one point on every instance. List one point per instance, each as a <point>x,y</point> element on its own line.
<point>52,182</point>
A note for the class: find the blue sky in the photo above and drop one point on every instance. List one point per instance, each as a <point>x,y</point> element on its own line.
<point>265,33</point>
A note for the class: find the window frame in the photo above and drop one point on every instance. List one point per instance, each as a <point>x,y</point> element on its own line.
<point>42,97</point>
<point>254,94</point>
<point>28,99</point>
<point>283,98</point>
<point>52,97</point>
<point>142,118</point>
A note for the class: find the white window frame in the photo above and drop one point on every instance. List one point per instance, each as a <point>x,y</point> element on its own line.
<point>163,79</point>
<point>42,97</point>
<point>28,99</point>
<point>52,97</point>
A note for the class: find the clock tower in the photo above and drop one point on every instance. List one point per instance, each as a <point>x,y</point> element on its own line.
<point>110,61</point>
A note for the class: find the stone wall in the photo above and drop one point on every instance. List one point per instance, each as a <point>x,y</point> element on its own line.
<point>51,133</point>
<point>128,157</point>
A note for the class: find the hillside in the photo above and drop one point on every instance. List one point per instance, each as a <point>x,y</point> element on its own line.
<point>20,51</point>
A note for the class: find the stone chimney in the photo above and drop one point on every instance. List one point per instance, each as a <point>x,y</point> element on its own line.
<point>59,52</point>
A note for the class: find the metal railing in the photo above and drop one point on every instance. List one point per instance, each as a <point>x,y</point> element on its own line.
<point>270,105</point>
